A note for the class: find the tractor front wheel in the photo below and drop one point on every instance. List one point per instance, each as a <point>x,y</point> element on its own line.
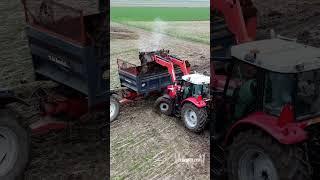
<point>164,105</point>
<point>254,155</point>
<point>194,118</point>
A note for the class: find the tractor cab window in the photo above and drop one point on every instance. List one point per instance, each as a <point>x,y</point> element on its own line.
<point>242,89</point>
<point>279,90</point>
<point>308,94</point>
<point>241,74</point>
<point>200,89</point>
<point>195,90</point>
<point>187,89</point>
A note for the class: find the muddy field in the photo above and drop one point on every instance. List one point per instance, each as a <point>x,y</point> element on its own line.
<point>145,145</point>
<point>291,18</point>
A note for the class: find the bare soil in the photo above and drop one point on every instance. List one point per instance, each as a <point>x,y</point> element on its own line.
<point>291,18</point>
<point>144,144</point>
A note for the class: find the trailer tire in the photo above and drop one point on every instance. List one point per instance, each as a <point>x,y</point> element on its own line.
<point>194,118</point>
<point>164,105</point>
<point>254,155</point>
<point>114,108</point>
<point>17,152</point>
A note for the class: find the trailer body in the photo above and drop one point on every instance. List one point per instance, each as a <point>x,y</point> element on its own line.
<point>132,77</point>
<point>67,47</point>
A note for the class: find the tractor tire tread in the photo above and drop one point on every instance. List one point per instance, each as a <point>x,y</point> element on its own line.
<point>289,160</point>
<point>202,116</point>
<point>166,100</point>
<point>12,119</point>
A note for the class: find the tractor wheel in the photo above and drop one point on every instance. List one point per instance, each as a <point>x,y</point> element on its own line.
<point>14,146</point>
<point>194,118</point>
<point>164,106</point>
<point>114,108</point>
<point>254,156</point>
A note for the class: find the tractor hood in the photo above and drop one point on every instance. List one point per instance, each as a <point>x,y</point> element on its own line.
<point>196,78</point>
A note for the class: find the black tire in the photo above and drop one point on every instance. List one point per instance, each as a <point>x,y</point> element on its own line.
<point>17,155</point>
<point>114,108</point>
<point>280,162</point>
<point>164,105</point>
<point>198,115</point>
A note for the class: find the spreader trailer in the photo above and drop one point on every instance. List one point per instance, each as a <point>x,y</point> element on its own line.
<point>68,44</point>
<point>150,78</point>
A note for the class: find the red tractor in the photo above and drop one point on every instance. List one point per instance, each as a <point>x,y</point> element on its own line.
<point>187,97</point>
<point>185,94</point>
<point>265,101</point>
<point>266,112</point>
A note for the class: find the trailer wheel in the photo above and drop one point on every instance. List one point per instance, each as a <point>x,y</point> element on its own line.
<point>14,146</point>
<point>254,156</point>
<point>114,108</point>
<point>194,118</point>
<point>164,106</point>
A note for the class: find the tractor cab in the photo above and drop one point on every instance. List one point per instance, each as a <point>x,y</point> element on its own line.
<point>269,77</point>
<point>195,85</point>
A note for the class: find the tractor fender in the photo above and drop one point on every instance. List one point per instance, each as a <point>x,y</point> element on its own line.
<point>291,133</point>
<point>195,101</point>
<point>115,95</point>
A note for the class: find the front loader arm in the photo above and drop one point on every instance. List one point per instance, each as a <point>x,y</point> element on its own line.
<point>168,64</point>
<point>240,17</point>
<point>185,68</point>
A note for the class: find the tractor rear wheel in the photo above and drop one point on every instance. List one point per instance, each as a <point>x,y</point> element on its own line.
<point>14,146</point>
<point>256,156</point>
<point>194,118</point>
<point>164,105</point>
<point>114,108</point>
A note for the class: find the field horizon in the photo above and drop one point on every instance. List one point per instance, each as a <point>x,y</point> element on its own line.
<point>119,14</point>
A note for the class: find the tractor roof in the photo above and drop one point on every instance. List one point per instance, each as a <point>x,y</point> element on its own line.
<point>196,78</point>
<point>278,55</point>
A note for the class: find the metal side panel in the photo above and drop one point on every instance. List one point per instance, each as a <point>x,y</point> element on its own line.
<point>69,64</point>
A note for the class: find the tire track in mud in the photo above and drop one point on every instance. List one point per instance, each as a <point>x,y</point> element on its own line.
<point>161,137</point>
<point>144,144</point>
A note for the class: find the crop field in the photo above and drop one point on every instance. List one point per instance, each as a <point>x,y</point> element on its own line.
<point>175,21</point>
<point>164,13</point>
<point>146,145</point>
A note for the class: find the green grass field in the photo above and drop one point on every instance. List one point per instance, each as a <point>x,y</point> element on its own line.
<point>119,14</point>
